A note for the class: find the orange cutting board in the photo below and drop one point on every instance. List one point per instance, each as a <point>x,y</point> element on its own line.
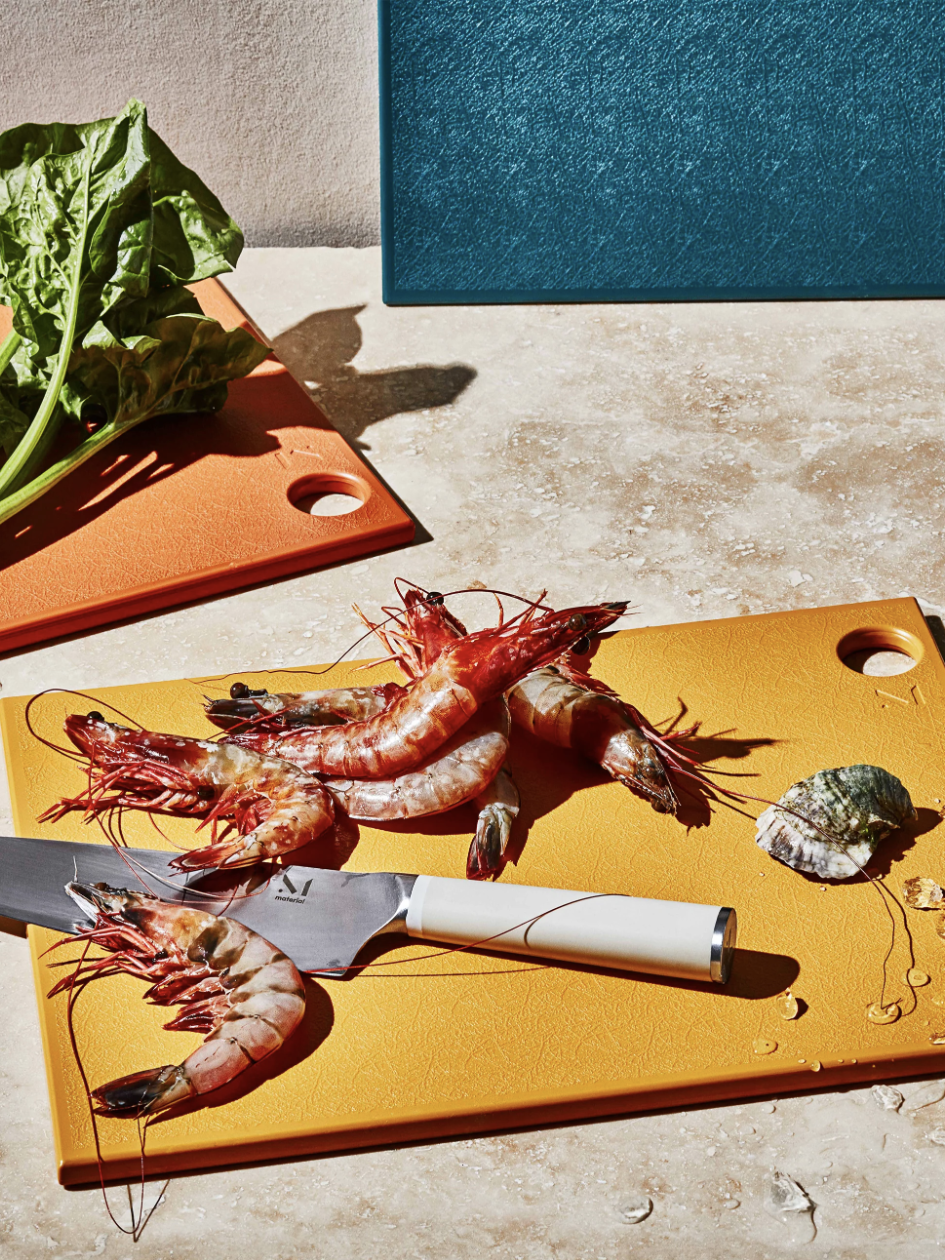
<point>184,507</point>
<point>473,1041</point>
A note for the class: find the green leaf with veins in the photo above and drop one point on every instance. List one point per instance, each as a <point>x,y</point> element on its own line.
<point>194,237</point>
<point>100,226</point>
<point>170,365</point>
<point>75,224</point>
<point>180,363</point>
<point>75,238</point>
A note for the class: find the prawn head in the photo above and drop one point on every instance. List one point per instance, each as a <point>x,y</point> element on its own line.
<point>275,807</point>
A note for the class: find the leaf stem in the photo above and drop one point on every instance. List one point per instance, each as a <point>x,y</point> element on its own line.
<point>35,440</point>
<point>11,343</point>
<point>25,495</point>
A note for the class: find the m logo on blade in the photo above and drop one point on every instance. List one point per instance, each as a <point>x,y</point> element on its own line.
<point>287,891</point>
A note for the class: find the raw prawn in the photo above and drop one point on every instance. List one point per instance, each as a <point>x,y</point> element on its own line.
<point>301,708</point>
<point>563,705</point>
<point>276,807</point>
<point>467,673</point>
<point>231,983</point>
<point>427,626</point>
<point>460,771</point>
<point>468,767</point>
<point>424,630</point>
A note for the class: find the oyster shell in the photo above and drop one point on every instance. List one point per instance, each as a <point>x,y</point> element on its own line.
<point>839,817</point>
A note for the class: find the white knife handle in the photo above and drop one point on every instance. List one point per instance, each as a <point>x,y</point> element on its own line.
<point>663,938</point>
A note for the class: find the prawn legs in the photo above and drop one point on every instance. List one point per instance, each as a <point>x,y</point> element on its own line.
<point>275,807</point>
<point>231,984</point>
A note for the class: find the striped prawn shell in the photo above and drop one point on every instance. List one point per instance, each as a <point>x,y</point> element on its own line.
<point>562,711</point>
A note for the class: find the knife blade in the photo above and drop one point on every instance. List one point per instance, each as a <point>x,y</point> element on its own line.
<point>320,918</point>
<point>323,918</point>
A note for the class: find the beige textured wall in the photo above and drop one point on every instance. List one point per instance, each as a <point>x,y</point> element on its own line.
<point>273,102</point>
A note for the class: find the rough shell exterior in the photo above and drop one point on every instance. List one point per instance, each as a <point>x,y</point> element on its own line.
<point>922,893</point>
<point>845,813</point>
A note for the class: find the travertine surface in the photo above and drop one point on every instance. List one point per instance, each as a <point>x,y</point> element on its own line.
<point>704,460</point>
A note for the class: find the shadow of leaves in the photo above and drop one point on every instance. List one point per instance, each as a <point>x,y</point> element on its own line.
<point>319,351</point>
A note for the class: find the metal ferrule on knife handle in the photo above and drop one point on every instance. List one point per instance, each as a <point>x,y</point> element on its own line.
<point>662,938</point>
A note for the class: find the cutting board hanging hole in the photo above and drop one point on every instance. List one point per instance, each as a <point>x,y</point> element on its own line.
<point>328,495</point>
<point>880,651</point>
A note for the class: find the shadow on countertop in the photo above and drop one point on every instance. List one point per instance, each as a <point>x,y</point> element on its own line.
<point>319,350</point>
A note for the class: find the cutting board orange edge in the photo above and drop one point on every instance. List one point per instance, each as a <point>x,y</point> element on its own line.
<point>184,508</point>
<point>441,1055</point>
<point>503,1114</point>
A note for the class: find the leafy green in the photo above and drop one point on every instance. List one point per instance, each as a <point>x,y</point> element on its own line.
<point>100,227</point>
<point>179,363</point>
<point>13,422</point>
<point>75,224</point>
<point>194,237</point>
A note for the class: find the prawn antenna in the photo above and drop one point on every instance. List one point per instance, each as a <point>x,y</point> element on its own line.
<point>67,691</point>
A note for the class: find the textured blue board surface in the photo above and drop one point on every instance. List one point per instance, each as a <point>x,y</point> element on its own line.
<point>580,150</point>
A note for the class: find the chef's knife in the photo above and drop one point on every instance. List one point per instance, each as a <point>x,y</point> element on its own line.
<point>321,918</point>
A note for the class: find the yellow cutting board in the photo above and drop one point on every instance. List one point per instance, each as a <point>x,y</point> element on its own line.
<point>470,1042</point>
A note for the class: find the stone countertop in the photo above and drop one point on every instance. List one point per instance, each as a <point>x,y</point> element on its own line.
<point>704,461</point>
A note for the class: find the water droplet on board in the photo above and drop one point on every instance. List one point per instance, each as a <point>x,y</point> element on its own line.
<point>940,925</point>
<point>938,1137</point>
<point>762,1045</point>
<point>922,894</point>
<point>937,1038</point>
<point>916,978</point>
<point>815,1065</point>
<point>787,1005</point>
<point>878,1014</point>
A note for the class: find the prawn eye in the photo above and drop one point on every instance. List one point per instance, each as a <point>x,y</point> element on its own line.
<point>434,597</point>
<point>239,691</point>
<point>205,792</point>
<point>95,716</point>
<point>583,646</point>
<point>577,621</point>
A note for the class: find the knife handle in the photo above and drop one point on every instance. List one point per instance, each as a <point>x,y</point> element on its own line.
<point>661,938</point>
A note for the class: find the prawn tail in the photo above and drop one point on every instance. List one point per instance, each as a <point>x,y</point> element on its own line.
<point>498,808</point>
<point>486,853</point>
<point>143,1093</point>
